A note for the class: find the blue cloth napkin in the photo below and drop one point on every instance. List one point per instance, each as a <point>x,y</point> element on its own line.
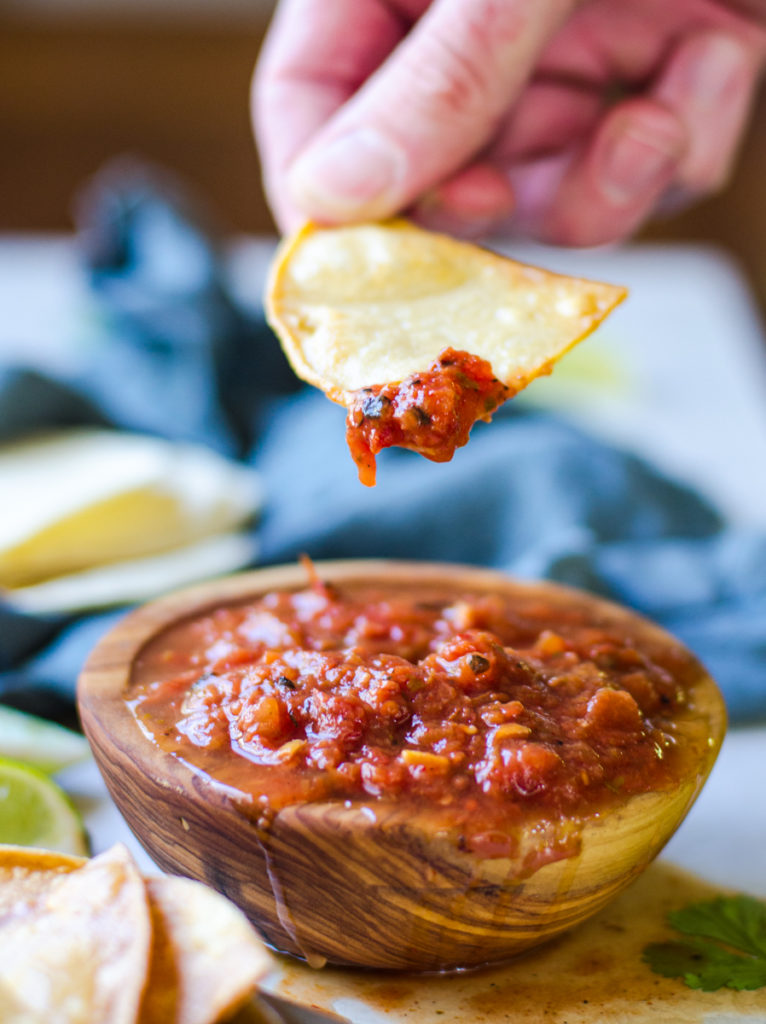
<point>530,494</point>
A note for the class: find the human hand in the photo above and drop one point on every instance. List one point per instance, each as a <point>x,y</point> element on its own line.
<point>566,120</point>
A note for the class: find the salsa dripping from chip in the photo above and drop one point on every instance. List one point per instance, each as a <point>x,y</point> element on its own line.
<point>420,335</point>
<point>431,413</point>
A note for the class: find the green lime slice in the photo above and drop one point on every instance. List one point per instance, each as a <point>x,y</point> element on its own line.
<point>38,742</point>
<point>34,811</point>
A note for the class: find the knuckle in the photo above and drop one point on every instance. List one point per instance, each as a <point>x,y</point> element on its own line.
<point>457,67</point>
<point>707,180</point>
<point>653,122</point>
<point>451,81</point>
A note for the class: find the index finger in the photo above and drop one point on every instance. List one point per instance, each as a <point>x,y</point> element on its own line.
<point>427,111</point>
<point>316,55</point>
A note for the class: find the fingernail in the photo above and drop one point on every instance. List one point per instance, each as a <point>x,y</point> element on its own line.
<point>360,172</point>
<point>636,161</point>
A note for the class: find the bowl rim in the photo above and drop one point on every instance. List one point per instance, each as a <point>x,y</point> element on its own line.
<point>112,658</point>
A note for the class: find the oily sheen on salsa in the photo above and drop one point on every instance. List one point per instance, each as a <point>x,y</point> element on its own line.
<point>490,709</point>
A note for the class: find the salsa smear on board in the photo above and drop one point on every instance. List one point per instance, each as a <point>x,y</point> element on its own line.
<point>487,709</point>
<point>431,413</point>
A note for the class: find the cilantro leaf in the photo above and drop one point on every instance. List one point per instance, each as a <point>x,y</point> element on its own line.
<point>738,921</point>
<point>726,947</point>
<point>705,965</point>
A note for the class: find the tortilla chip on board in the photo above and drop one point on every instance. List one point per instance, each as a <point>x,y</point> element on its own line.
<point>27,873</point>
<point>90,941</point>
<point>372,304</point>
<point>79,953</point>
<point>206,959</point>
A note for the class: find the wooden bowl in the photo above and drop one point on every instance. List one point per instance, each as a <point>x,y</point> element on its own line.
<point>335,881</point>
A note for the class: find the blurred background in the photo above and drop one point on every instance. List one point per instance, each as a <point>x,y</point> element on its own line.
<point>83,80</point>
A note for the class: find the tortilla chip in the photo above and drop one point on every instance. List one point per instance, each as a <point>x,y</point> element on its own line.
<point>206,958</point>
<point>200,959</point>
<point>80,953</point>
<point>373,304</point>
<point>79,498</point>
<point>26,873</point>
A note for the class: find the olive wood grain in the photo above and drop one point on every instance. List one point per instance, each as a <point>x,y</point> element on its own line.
<point>368,884</point>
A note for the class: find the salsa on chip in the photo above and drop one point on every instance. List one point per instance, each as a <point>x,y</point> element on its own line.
<point>420,335</point>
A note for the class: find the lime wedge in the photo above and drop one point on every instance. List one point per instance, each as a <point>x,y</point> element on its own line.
<point>37,742</point>
<point>34,811</point>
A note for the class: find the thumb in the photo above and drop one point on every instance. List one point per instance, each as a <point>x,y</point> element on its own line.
<point>426,111</point>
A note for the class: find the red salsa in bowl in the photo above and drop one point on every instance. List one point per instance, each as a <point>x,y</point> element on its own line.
<point>485,707</point>
<point>400,765</point>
